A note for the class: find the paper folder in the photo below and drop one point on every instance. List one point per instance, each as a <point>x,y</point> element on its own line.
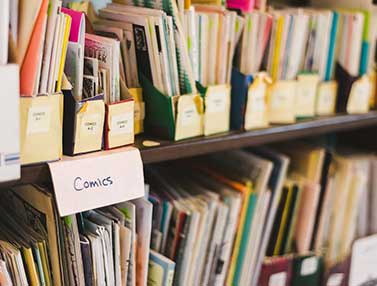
<point>216,108</point>
<point>174,118</point>
<point>41,128</point>
<point>83,124</point>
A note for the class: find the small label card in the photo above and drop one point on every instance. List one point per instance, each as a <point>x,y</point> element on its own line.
<point>309,266</point>
<point>96,180</point>
<point>38,120</point>
<point>278,279</point>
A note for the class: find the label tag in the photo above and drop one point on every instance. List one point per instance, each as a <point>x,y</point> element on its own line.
<point>39,120</point>
<point>278,279</point>
<point>122,123</point>
<point>309,266</point>
<point>97,179</point>
<point>282,101</point>
<point>90,124</point>
<point>335,279</point>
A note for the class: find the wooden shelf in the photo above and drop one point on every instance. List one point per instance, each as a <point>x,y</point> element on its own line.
<point>168,150</point>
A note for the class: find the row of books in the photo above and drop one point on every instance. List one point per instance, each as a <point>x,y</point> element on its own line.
<point>293,214</point>
<point>92,75</point>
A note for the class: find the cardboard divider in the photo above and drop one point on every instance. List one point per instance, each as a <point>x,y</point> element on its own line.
<point>249,102</point>
<point>174,118</point>
<point>276,271</point>
<point>41,128</point>
<point>216,108</point>
<point>83,124</point>
<point>119,121</point>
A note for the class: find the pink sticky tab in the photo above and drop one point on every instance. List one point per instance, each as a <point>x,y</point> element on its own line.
<point>243,5</point>
<point>77,21</point>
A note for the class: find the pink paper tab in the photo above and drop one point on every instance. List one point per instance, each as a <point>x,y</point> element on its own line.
<point>243,5</point>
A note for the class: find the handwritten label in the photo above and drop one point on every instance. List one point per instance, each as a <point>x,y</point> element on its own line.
<point>278,279</point>
<point>257,97</point>
<point>39,119</point>
<point>335,279</point>
<point>122,123</point>
<point>188,115</point>
<point>96,180</point>
<point>280,98</point>
<point>90,124</point>
<point>309,266</point>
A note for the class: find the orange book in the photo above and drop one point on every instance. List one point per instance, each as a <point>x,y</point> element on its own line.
<point>29,68</point>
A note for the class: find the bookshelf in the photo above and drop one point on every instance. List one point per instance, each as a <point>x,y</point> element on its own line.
<point>168,150</point>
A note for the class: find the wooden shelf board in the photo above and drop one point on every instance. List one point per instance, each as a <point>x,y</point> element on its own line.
<point>168,150</point>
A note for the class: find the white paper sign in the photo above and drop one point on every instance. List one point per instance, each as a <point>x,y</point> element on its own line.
<point>278,279</point>
<point>364,261</point>
<point>309,266</point>
<point>38,120</point>
<point>122,123</point>
<point>96,180</point>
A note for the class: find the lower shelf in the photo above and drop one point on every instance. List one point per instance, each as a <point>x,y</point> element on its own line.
<point>168,150</point>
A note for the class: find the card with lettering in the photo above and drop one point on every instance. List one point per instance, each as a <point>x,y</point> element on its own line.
<point>41,128</point>
<point>276,271</point>
<point>96,180</point>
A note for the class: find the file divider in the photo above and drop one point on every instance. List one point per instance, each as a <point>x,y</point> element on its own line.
<point>174,118</point>
<point>83,124</point>
<point>119,121</point>
<point>41,128</point>
<point>216,108</point>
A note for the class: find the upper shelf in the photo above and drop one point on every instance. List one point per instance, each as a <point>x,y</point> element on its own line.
<point>168,150</point>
